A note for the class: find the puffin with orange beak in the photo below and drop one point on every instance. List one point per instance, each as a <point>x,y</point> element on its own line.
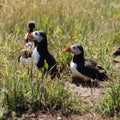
<point>31,27</point>
<point>29,46</point>
<point>41,53</point>
<point>83,68</point>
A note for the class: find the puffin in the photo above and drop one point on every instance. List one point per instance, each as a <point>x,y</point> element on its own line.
<point>116,53</point>
<point>29,46</point>
<point>41,54</point>
<point>85,69</point>
<point>31,25</point>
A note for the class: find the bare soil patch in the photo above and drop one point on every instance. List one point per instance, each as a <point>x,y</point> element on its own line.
<point>89,91</point>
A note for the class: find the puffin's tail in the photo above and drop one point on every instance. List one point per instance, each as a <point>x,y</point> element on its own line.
<point>102,75</point>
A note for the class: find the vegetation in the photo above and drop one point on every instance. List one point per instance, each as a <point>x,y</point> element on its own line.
<point>93,23</point>
<point>110,105</point>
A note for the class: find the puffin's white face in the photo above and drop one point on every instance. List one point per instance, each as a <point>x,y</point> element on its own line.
<point>75,49</point>
<point>36,35</point>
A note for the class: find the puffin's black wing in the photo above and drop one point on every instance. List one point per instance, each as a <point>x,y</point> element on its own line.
<point>40,64</point>
<point>94,65</point>
<point>52,65</point>
<point>92,70</point>
<point>90,63</point>
<point>117,52</point>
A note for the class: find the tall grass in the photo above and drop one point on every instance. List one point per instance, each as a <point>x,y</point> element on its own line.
<point>94,24</point>
<point>24,93</point>
<point>110,104</point>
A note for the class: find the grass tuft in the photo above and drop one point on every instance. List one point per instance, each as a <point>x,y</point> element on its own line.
<point>110,105</point>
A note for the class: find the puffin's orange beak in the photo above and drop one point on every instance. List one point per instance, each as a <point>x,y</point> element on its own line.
<point>67,49</point>
<point>30,37</point>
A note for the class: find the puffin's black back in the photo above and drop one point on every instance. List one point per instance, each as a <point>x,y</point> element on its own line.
<point>90,69</point>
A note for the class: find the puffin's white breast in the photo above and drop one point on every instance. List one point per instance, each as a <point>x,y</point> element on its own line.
<point>73,68</point>
<point>36,56</point>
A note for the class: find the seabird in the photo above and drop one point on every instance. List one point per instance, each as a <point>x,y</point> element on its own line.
<point>29,46</point>
<point>84,68</point>
<point>41,53</point>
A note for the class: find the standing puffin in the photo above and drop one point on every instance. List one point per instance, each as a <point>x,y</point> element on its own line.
<point>41,53</point>
<point>84,68</point>
<point>30,26</point>
<point>29,47</point>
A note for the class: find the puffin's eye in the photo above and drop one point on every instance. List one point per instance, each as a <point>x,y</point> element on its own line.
<point>74,47</point>
<point>36,33</point>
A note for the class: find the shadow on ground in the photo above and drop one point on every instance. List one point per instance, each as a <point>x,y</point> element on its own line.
<point>90,83</point>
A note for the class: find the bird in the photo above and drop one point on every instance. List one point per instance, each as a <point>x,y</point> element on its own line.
<point>41,53</point>
<point>85,69</point>
<point>116,53</point>
<point>29,46</point>
<point>31,25</point>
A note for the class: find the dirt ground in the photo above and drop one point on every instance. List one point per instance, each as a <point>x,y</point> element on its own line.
<point>90,92</point>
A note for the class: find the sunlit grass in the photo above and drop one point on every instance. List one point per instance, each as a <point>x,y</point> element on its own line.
<point>110,104</point>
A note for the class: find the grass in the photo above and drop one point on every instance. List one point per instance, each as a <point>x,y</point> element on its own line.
<point>110,104</point>
<point>94,24</point>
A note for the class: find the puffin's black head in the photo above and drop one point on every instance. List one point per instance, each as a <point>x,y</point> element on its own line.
<point>31,26</point>
<point>75,49</point>
<point>37,36</point>
<point>117,52</point>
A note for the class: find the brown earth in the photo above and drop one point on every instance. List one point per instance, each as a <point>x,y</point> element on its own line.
<point>90,92</point>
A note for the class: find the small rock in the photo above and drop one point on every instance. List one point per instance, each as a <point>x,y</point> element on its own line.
<point>59,118</point>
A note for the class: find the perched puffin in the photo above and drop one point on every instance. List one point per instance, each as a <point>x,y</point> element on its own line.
<point>41,53</point>
<point>117,52</point>
<point>83,68</point>
<point>31,27</point>
<point>116,59</point>
<point>29,46</point>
